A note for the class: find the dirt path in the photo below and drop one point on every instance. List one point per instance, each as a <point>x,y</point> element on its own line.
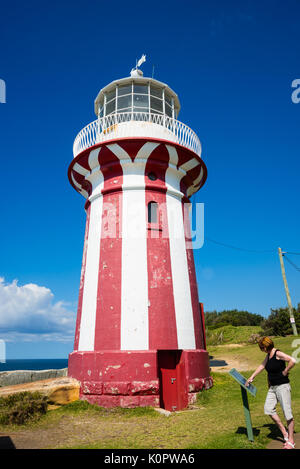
<point>278,444</point>
<point>223,362</point>
<point>227,363</point>
<point>68,431</point>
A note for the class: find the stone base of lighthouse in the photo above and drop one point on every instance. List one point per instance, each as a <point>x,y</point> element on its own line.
<point>160,378</point>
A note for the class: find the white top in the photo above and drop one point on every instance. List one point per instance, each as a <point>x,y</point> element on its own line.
<point>137,94</point>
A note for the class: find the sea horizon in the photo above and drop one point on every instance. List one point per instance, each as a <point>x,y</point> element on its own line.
<point>13,364</point>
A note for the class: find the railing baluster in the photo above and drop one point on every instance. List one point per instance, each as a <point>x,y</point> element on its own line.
<point>107,127</point>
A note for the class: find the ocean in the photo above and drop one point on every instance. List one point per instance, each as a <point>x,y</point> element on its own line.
<point>34,364</point>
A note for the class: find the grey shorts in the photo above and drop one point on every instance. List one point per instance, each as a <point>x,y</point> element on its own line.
<point>281,394</point>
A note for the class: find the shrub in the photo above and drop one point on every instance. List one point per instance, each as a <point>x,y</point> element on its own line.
<point>278,323</point>
<point>21,407</point>
<point>233,317</point>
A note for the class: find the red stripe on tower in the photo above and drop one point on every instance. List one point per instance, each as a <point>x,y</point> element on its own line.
<point>162,320</point>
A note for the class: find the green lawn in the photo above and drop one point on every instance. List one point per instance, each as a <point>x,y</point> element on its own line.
<point>216,421</point>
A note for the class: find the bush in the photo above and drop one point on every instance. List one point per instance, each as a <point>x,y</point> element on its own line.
<point>232,317</point>
<point>278,323</point>
<point>21,407</point>
<point>254,338</point>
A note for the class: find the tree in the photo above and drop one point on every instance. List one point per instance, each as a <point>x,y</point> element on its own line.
<point>278,322</point>
<point>233,317</point>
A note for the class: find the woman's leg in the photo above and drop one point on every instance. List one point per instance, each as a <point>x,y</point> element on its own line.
<point>270,409</point>
<point>280,425</point>
<point>283,393</point>
<point>291,426</point>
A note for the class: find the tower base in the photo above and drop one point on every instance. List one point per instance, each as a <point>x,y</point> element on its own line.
<point>160,378</point>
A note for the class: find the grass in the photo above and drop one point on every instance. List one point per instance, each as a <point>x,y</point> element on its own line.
<point>216,421</point>
<point>230,334</point>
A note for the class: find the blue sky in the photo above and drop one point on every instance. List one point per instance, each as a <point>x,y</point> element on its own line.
<point>231,63</point>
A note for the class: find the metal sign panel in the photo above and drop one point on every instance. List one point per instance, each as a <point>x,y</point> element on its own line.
<point>242,380</point>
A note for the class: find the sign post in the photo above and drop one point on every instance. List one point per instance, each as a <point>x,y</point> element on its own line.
<point>252,390</point>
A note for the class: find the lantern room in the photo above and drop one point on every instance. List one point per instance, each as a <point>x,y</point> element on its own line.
<point>136,94</point>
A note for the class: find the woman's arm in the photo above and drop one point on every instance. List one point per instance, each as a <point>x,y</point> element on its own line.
<point>258,370</point>
<point>290,361</point>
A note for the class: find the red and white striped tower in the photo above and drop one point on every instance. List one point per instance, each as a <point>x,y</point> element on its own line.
<point>139,336</point>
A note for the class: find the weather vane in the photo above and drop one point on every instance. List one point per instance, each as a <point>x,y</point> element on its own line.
<point>136,71</point>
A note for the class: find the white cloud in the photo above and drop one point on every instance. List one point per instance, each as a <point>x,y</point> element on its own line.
<point>30,313</point>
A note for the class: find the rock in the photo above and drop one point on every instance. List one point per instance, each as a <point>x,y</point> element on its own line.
<point>165,412</point>
<point>59,391</point>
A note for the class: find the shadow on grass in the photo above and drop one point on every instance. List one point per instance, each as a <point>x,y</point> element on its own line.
<point>216,362</point>
<point>275,433</point>
<point>243,431</point>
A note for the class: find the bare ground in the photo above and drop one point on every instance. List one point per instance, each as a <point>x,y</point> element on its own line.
<point>232,360</point>
<point>69,431</point>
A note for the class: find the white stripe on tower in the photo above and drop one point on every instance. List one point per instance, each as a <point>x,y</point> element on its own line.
<point>134,301</point>
<point>179,265</point>
<point>89,299</point>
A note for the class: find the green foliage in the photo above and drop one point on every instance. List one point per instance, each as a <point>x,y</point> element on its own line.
<point>231,334</point>
<point>233,317</point>
<point>278,322</point>
<point>21,407</point>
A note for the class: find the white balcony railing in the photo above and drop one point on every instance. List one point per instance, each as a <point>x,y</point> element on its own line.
<point>136,124</point>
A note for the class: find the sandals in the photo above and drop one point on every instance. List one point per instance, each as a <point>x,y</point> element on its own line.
<point>287,444</point>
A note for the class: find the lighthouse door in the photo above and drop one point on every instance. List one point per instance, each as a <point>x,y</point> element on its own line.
<point>173,389</point>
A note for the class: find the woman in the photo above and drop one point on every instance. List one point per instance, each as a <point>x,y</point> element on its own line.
<point>279,387</point>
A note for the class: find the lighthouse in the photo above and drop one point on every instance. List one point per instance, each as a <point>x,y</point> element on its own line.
<point>140,337</point>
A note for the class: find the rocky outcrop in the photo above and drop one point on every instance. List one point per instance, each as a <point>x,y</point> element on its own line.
<point>59,391</point>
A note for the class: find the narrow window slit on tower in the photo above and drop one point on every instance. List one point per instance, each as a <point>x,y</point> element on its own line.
<point>152,212</point>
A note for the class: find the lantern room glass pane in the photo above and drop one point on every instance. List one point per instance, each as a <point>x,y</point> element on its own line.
<point>111,107</point>
<point>140,100</point>
<point>110,95</point>
<point>141,111</point>
<point>141,89</point>
<point>124,101</point>
<point>125,89</point>
<point>168,99</point>
<point>168,110</point>
<point>156,91</point>
<point>156,104</point>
